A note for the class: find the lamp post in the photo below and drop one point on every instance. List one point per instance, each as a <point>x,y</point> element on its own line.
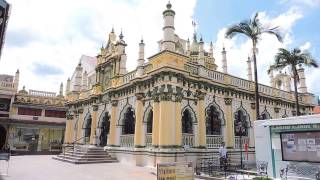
<point>241,131</point>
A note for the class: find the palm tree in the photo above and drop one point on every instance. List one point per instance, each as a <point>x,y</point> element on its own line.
<point>293,59</point>
<point>253,29</point>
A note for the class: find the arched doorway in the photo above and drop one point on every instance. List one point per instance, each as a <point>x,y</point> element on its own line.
<point>104,126</point>
<point>240,124</point>
<point>213,121</point>
<point>3,136</point>
<point>187,122</point>
<point>129,121</point>
<point>87,128</point>
<point>149,122</point>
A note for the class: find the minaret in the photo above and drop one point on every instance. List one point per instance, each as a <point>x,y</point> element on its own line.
<point>68,86</point>
<point>78,78</point>
<point>141,58</point>
<point>302,80</point>
<point>287,82</point>
<point>61,90</point>
<point>16,80</point>
<point>201,52</point>
<point>224,60</point>
<point>211,50</point>
<point>112,35</point>
<point>168,29</point>
<point>188,47</point>
<point>84,85</point>
<point>123,56</point>
<point>249,69</point>
<point>272,83</point>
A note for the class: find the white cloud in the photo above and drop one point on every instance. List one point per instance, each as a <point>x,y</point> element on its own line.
<point>58,32</point>
<point>305,46</point>
<point>238,50</point>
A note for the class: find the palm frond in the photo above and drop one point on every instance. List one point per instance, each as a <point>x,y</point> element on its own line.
<point>274,32</point>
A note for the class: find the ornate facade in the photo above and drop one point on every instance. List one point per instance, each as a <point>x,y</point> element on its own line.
<point>176,106</point>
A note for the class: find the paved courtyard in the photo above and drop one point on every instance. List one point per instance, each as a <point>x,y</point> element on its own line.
<point>46,168</point>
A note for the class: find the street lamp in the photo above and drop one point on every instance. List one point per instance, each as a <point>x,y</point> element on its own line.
<point>241,131</point>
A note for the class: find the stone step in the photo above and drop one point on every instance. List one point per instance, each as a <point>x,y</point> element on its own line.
<point>85,162</point>
<point>85,159</point>
<point>86,155</point>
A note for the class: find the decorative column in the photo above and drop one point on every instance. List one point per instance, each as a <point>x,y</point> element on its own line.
<point>302,81</point>
<point>166,121</point>
<point>80,122</point>
<point>68,132</point>
<point>276,112</point>
<point>113,122</point>
<point>249,69</point>
<point>229,133</point>
<point>93,135</point>
<point>224,61</point>
<point>201,120</point>
<point>138,133</point>
<point>155,123</point>
<point>178,129</point>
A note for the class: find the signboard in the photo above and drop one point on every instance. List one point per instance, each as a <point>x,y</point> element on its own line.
<point>296,127</point>
<point>301,146</point>
<point>175,171</point>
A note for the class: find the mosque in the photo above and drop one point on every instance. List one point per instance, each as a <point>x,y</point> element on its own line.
<point>175,106</point>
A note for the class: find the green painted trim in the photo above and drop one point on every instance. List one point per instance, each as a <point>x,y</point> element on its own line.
<point>272,154</point>
<point>139,146</point>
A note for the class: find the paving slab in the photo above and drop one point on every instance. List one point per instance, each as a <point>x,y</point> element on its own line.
<point>43,167</point>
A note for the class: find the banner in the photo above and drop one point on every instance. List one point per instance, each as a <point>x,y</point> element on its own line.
<point>175,171</point>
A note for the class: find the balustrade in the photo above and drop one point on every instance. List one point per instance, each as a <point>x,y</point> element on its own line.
<point>148,140</point>
<point>188,140</point>
<point>244,140</point>
<point>214,141</point>
<point>5,84</point>
<point>127,140</point>
<point>129,76</point>
<point>240,83</point>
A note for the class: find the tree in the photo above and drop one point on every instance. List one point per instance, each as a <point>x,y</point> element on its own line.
<point>253,29</point>
<point>293,59</point>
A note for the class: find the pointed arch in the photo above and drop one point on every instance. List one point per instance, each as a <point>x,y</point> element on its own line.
<point>127,119</point>
<point>214,119</point>
<point>188,118</point>
<point>265,114</point>
<point>148,118</point>
<point>104,127</point>
<point>86,125</point>
<point>241,119</point>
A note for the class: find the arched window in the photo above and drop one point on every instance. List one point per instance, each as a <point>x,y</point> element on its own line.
<point>240,124</point>
<point>104,126</point>
<point>150,121</point>
<point>87,126</point>
<point>213,123</point>
<point>129,122</point>
<point>187,122</point>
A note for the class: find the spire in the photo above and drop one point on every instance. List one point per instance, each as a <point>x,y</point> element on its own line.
<point>188,47</point>
<point>61,90</point>
<point>78,78</point>
<point>224,60</point>
<point>302,80</point>
<point>141,58</point>
<point>168,29</point>
<point>249,69</point>
<point>16,79</point>
<point>211,50</point>
<point>121,35</point>
<point>112,35</point>
<point>201,52</point>
<point>68,86</point>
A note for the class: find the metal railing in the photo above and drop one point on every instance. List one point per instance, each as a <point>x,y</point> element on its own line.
<point>214,141</point>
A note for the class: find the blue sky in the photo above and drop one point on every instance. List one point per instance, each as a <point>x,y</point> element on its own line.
<point>47,46</point>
